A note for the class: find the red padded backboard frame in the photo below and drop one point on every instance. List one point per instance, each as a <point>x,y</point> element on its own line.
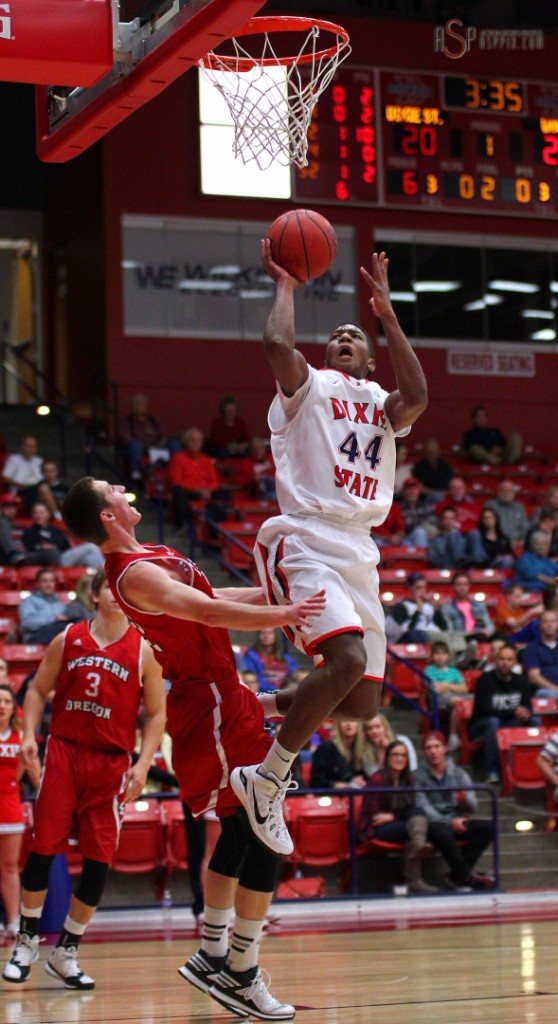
<point>201,32</point>
<point>35,48</point>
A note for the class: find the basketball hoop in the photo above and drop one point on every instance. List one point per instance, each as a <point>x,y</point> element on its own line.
<point>271,109</point>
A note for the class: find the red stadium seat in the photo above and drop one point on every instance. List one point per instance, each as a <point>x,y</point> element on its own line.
<point>23,657</point>
<point>175,830</point>
<point>522,766</point>
<point>9,579</point>
<point>320,830</point>
<point>547,710</point>
<point>516,767</point>
<point>141,846</point>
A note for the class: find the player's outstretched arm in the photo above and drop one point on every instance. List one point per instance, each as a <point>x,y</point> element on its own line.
<point>242,595</point>
<point>148,587</point>
<point>404,405</point>
<point>287,364</point>
<point>41,685</point>
<point>154,702</point>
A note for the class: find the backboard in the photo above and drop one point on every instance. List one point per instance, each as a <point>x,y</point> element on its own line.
<point>157,41</point>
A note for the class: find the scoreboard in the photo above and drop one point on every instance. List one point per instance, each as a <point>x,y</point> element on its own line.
<point>433,142</point>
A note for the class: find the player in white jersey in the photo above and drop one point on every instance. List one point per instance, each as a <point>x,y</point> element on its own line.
<point>333,442</point>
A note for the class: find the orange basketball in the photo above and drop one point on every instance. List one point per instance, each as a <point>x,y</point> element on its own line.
<point>303,243</point>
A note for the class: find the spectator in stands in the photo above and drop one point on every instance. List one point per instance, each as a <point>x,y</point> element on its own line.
<point>51,484</point>
<point>540,657</point>
<point>502,701</point>
<point>464,614</point>
<point>12,549</point>
<point>82,608</point>
<point>534,568</point>
<point>42,616</point>
<point>546,523</point>
<point>511,513</point>
<point>338,762</point>
<point>193,476</point>
<point>250,679</point>
<point>392,530</point>
<point>378,734</point>
<point>141,432</point>
<point>497,547</point>
<point>449,685</point>
<point>403,469</point>
<point>229,435</point>
<point>394,817</point>
<point>550,503</point>
<point>45,536</point>
<point>460,838</point>
<point>487,444</point>
<point>466,508</point>
<point>23,472</point>
<point>454,548</point>
<point>418,514</point>
<point>512,612</point>
<point>255,474</point>
<point>412,620</point>
<point>531,631</point>
<point>432,471</point>
<point>267,658</point>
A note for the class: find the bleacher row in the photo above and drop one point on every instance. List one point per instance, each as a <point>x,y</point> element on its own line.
<point>323,828</point>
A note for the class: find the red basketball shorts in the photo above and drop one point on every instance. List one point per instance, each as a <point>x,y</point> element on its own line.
<point>81,794</point>
<point>212,734</point>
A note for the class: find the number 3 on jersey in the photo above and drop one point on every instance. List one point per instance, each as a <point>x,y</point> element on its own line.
<point>349,447</point>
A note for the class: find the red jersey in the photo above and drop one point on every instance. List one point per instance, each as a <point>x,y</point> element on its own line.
<point>98,691</point>
<point>10,803</point>
<point>189,653</point>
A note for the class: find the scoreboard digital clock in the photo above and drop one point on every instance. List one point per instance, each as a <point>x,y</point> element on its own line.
<point>434,142</point>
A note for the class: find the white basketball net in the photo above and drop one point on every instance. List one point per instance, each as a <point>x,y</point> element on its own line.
<point>271,106</point>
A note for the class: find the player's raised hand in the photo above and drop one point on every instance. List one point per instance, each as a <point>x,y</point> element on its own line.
<point>276,272</point>
<point>300,613</point>
<point>377,281</point>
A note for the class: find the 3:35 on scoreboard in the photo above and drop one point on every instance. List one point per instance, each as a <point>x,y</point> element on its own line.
<point>424,140</point>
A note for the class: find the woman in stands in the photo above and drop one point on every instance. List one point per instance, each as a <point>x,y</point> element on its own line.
<point>394,817</point>
<point>12,824</point>
<point>378,734</point>
<point>497,547</point>
<point>268,660</point>
<point>338,762</point>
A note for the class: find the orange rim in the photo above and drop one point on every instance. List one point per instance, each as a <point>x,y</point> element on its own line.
<point>258,26</point>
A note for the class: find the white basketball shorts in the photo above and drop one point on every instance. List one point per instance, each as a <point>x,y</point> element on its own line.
<point>297,556</point>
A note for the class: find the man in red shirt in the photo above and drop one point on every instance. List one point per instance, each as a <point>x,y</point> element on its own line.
<point>100,671</point>
<point>466,508</point>
<point>192,476</point>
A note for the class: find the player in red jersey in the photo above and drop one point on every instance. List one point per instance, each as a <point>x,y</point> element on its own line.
<point>12,825</point>
<point>215,723</point>
<point>100,672</point>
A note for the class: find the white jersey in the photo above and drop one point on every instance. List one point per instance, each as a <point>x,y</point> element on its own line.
<point>334,449</point>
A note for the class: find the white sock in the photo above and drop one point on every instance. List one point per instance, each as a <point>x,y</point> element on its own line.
<point>277,760</point>
<point>31,911</point>
<point>245,945</point>
<point>268,702</point>
<point>75,927</point>
<point>215,933</point>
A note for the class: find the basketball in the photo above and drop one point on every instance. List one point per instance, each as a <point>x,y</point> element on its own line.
<point>303,243</point>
